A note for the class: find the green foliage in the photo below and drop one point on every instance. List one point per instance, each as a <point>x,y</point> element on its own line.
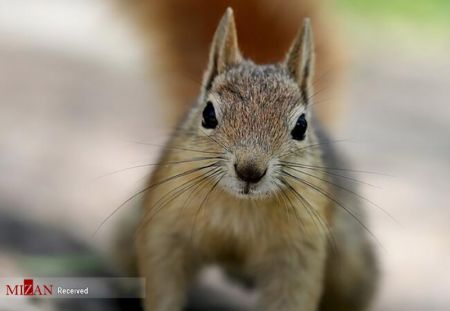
<point>420,12</point>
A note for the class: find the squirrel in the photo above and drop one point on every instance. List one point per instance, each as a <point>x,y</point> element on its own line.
<point>248,181</point>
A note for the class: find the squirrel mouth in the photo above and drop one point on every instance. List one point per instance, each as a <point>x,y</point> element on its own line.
<point>246,189</point>
<point>249,190</point>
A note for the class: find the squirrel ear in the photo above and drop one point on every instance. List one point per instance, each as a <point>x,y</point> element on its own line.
<point>300,60</point>
<point>224,51</point>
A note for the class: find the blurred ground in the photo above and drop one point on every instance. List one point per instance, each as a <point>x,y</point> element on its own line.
<point>74,102</point>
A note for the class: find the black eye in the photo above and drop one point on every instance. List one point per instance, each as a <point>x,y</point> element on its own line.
<point>209,117</point>
<point>298,133</point>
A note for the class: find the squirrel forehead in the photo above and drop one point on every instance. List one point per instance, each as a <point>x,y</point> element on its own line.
<point>257,85</point>
<point>256,105</point>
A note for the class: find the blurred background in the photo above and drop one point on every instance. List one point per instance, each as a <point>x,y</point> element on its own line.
<point>81,96</point>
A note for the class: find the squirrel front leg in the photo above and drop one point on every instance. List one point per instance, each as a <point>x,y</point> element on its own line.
<point>167,270</point>
<point>292,279</point>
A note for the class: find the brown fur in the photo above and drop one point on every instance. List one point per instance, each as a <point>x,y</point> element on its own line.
<point>194,217</point>
<point>181,31</point>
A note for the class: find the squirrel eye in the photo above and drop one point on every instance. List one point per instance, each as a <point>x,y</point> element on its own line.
<point>298,133</point>
<point>209,116</point>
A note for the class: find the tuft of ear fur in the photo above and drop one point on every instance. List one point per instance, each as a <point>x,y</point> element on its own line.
<point>301,59</point>
<point>224,51</point>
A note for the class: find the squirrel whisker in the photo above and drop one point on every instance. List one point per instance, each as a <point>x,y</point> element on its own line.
<point>338,203</point>
<point>346,190</point>
<point>179,190</point>
<point>159,164</point>
<point>312,213</point>
<point>156,184</point>
<point>324,171</point>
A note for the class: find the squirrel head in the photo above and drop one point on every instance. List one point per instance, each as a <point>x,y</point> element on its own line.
<point>255,115</point>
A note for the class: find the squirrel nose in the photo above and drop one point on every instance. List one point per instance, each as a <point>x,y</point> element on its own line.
<point>249,173</point>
